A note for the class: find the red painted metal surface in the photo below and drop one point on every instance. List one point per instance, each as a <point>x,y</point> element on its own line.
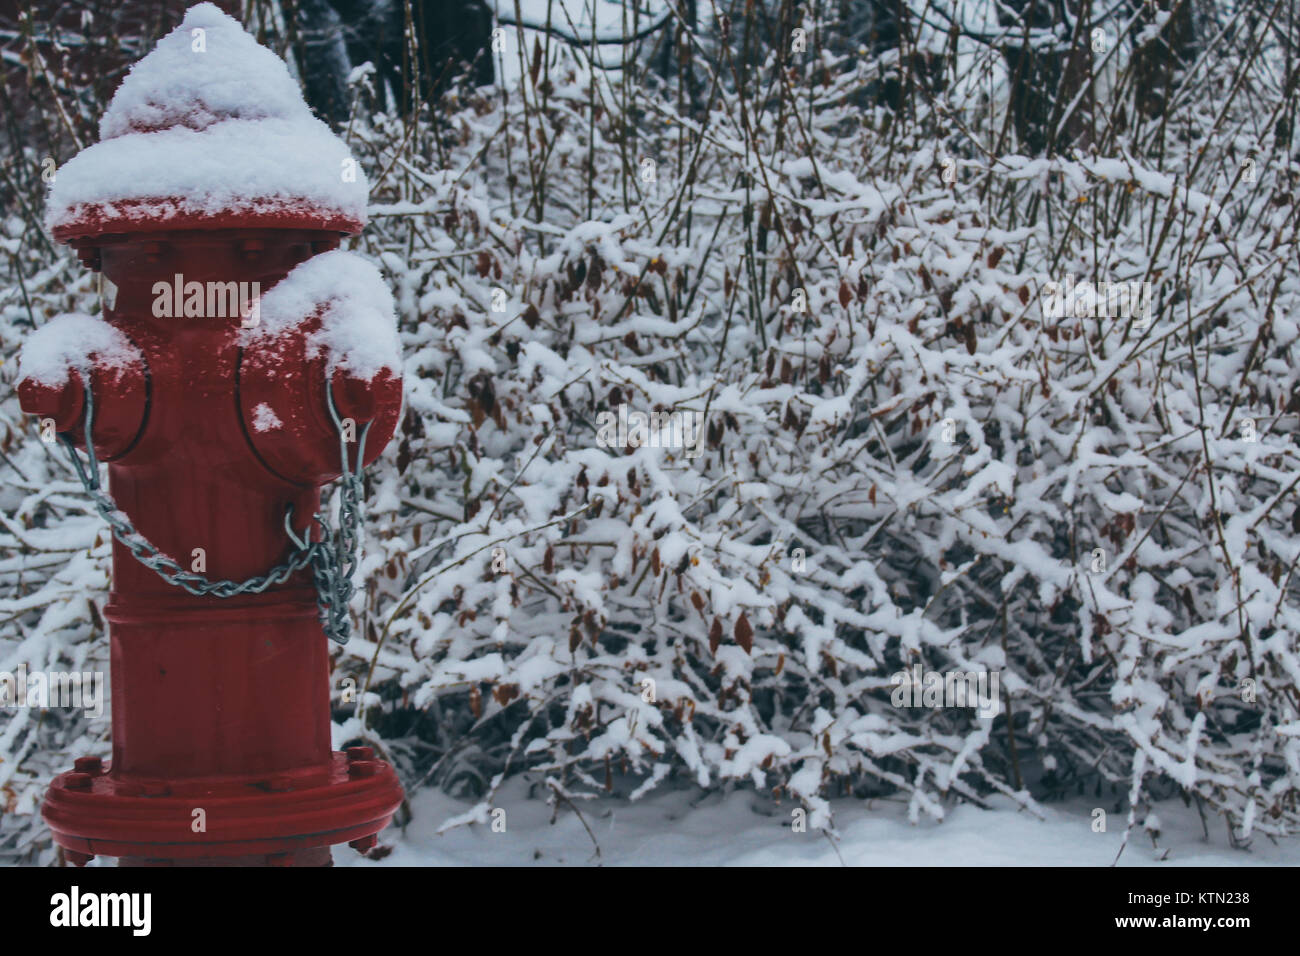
<point>219,705</point>
<point>130,216</point>
<point>221,712</point>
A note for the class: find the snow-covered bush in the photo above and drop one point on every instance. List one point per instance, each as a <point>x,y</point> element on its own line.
<point>908,455</point>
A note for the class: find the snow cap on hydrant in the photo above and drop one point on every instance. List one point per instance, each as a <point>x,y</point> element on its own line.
<point>208,131</point>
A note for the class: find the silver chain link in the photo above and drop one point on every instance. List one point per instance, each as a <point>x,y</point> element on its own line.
<point>333,559</point>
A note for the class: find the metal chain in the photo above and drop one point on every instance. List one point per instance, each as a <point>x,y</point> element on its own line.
<point>333,559</point>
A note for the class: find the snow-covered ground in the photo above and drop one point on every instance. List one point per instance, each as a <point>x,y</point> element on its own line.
<point>681,829</point>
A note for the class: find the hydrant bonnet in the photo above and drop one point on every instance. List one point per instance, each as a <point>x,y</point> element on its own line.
<point>209,129</point>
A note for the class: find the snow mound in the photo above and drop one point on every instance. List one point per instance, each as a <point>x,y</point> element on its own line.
<point>237,166</point>
<point>358,327</point>
<point>74,341</point>
<point>196,80</point>
<point>209,123</point>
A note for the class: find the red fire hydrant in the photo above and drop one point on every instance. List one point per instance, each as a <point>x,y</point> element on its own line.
<point>241,363</point>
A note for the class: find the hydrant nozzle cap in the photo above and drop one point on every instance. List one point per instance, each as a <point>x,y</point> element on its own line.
<point>209,129</point>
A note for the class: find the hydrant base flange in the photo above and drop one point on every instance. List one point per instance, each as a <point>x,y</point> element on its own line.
<point>102,815</point>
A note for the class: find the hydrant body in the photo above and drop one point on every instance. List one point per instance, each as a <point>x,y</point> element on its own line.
<point>220,705</point>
